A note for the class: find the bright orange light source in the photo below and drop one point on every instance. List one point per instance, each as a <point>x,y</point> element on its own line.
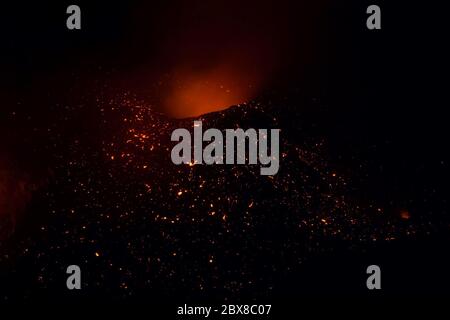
<point>196,93</point>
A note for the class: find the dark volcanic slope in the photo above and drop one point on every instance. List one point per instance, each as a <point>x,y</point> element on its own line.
<point>138,225</point>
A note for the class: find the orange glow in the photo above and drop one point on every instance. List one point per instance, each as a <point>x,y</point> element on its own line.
<point>404,214</point>
<point>198,92</point>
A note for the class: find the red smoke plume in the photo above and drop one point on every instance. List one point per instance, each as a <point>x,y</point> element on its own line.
<point>15,193</point>
<point>216,54</point>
